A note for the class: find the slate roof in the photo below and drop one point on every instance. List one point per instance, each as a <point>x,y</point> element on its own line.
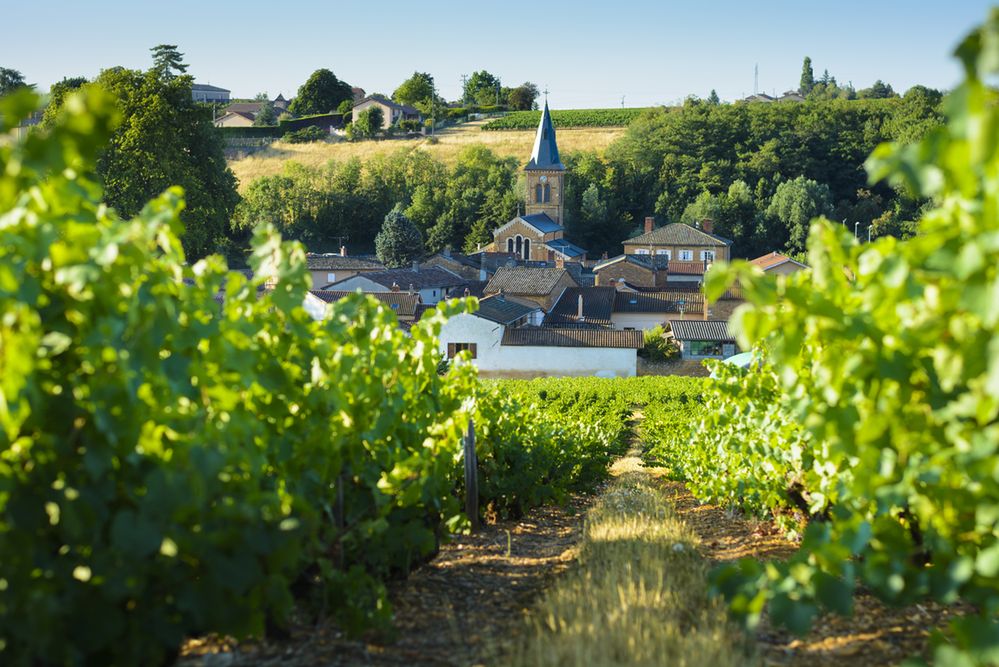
<point>525,280</point>
<point>405,108</point>
<point>660,262</point>
<point>553,337</point>
<point>245,107</point>
<point>716,330</point>
<point>678,233</point>
<point>403,303</point>
<point>658,302</point>
<point>545,152</point>
<point>424,278</point>
<point>335,261</point>
<point>502,311</point>
<point>541,222</point>
<point>598,304</point>
<point>568,249</point>
<point>205,88</point>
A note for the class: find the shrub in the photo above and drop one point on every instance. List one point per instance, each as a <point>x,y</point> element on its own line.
<point>306,135</point>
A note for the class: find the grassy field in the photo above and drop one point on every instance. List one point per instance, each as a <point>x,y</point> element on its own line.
<point>450,142</point>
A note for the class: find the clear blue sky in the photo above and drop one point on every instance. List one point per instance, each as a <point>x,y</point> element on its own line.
<point>588,54</point>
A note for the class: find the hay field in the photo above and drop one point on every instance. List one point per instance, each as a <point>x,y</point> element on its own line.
<point>450,143</point>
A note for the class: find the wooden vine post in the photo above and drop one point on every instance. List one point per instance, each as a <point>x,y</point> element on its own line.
<point>471,477</point>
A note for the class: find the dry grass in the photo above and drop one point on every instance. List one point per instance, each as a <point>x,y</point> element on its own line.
<point>449,144</point>
<point>638,595</point>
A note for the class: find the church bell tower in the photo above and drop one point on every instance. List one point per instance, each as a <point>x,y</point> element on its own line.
<point>545,172</point>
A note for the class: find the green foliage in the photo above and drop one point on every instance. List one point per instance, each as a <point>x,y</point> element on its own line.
<point>417,90</point>
<point>11,80</point>
<point>876,412</point>
<point>528,120</point>
<point>306,135</point>
<point>399,242</point>
<point>657,346</point>
<point>879,90</point>
<point>57,93</point>
<point>523,97</point>
<point>368,124</point>
<point>807,77</point>
<point>482,88</point>
<point>795,204</point>
<point>322,93</point>
<point>250,132</point>
<point>167,60</point>
<point>266,116</point>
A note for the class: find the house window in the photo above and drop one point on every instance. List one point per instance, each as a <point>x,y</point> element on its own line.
<point>435,292</point>
<point>509,245</point>
<point>686,255</point>
<point>330,277</point>
<point>454,348</point>
<point>527,248</point>
<point>664,253</point>
<point>642,251</point>
<point>707,255</point>
<point>705,348</point>
<point>548,192</point>
<point>519,246</point>
<point>538,194</point>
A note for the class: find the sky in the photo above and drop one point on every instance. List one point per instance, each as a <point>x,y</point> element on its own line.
<point>587,54</point>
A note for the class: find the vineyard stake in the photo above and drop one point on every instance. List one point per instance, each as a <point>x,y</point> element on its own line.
<point>471,477</point>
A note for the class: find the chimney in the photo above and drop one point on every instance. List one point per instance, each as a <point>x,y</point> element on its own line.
<point>706,311</point>
<point>483,276</point>
<point>603,257</point>
<point>411,290</point>
<point>395,287</point>
<point>416,265</point>
<point>447,251</point>
<point>560,262</point>
<point>707,225</point>
<point>579,308</point>
<point>650,223</point>
<point>343,251</point>
<point>467,293</point>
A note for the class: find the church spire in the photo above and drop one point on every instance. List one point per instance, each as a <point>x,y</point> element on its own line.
<point>545,153</point>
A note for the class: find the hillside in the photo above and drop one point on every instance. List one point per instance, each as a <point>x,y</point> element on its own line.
<point>450,142</point>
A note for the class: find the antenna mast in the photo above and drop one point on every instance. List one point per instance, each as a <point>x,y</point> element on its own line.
<point>756,78</point>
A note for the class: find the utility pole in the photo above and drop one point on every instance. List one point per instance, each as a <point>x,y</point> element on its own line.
<point>464,89</point>
<point>497,93</point>
<point>756,78</point>
<point>622,101</point>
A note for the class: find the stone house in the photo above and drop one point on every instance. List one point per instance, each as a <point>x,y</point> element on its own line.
<point>540,286</point>
<point>327,268</point>
<point>679,241</point>
<point>392,112</point>
<point>611,308</point>
<point>652,271</point>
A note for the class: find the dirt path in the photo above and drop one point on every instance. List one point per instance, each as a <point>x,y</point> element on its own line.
<point>462,608</point>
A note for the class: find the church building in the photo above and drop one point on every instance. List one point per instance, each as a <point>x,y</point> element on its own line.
<point>538,233</point>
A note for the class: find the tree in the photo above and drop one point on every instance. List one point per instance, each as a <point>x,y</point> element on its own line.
<point>266,116</point>
<point>880,90</point>
<point>11,80</point>
<point>416,90</point>
<point>807,77</point>
<point>167,60</point>
<point>322,93</point>
<point>522,98</point>
<point>795,204</point>
<point>481,89</point>
<point>713,97</point>
<point>399,242</point>
<point>165,139</point>
<point>368,124</point>
<point>57,93</point>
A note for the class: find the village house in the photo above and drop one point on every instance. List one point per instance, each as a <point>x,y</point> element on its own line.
<point>243,114</point>
<point>653,271</point>
<point>679,241</point>
<point>624,309</point>
<point>433,284</point>
<point>703,339</point>
<point>525,351</point>
<point>404,304</point>
<point>327,268</point>
<point>777,264</point>
<point>392,112</point>
<point>539,286</point>
<point>202,92</point>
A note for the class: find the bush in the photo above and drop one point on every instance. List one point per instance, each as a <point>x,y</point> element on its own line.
<point>249,132</point>
<point>658,347</point>
<point>306,135</point>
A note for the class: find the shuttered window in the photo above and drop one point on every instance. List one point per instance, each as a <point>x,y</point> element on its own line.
<point>454,348</point>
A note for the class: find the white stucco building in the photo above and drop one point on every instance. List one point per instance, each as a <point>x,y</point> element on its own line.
<point>433,284</point>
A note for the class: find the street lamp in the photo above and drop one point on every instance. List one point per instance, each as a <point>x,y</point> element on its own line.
<point>869,233</point>
<point>855,226</point>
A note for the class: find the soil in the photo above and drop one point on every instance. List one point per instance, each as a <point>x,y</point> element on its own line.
<point>874,635</point>
<point>462,608</point>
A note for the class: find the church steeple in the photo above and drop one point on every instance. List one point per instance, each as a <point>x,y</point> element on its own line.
<point>545,153</point>
<point>545,172</point>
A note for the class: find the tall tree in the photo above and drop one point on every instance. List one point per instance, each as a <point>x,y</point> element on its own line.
<point>713,97</point>
<point>57,93</point>
<point>522,98</point>
<point>399,242</point>
<point>880,90</point>
<point>793,206</point>
<point>10,80</point>
<point>416,90</point>
<point>481,88</point>
<point>322,93</point>
<point>167,60</point>
<point>807,77</point>
<point>266,116</point>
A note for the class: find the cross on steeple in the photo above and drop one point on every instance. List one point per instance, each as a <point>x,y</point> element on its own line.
<point>546,94</point>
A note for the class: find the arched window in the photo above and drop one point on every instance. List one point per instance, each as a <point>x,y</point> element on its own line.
<point>527,248</point>
<point>520,244</point>
<point>548,192</point>
<point>538,194</point>
<point>509,245</point>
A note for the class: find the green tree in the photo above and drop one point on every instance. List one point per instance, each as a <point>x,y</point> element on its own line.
<point>321,93</point>
<point>399,242</point>
<point>481,88</point>
<point>368,124</point>
<point>266,116</point>
<point>57,94</point>
<point>167,60</point>
<point>523,97</point>
<point>416,90</point>
<point>880,90</point>
<point>11,80</point>
<point>795,204</point>
<point>165,139</point>
<point>713,97</point>
<point>807,77</point>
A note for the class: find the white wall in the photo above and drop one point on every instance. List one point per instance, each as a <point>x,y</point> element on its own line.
<point>644,321</point>
<point>496,360</point>
<point>430,296</point>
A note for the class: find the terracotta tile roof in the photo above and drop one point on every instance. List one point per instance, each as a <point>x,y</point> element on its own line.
<point>525,280</point>
<point>658,302</point>
<point>335,261</point>
<point>678,233</point>
<point>555,337</point>
<point>502,311</point>
<point>661,263</point>
<point>772,259</point>
<point>403,303</point>
<point>701,330</point>
<point>598,304</point>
